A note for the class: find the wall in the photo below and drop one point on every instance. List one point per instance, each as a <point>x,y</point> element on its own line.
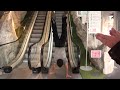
<point>9,22</point>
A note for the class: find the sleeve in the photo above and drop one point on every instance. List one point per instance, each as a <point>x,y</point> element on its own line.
<point>114,53</point>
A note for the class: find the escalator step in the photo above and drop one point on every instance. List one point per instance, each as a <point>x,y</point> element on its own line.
<point>36,35</point>
<point>37,31</point>
<point>39,21</point>
<point>39,24</point>
<point>38,27</point>
<point>33,40</point>
<point>41,15</point>
<point>40,18</point>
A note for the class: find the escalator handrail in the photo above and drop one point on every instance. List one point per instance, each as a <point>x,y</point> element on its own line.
<point>50,48</point>
<point>70,47</point>
<point>22,50</point>
<point>78,48</point>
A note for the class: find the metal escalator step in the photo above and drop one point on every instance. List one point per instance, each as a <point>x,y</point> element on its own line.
<point>38,27</point>
<point>33,40</point>
<point>40,18</point>
<point>59,30</point>
<point>59,23</point>
<point>42,12</point>
<point>59,12</point>
<point>41,15</point>
<point>59,17</point>
<point>39,24</point>
<point>59,27</point>
<point>36,36</point>
<point>37,31</point>
<point>39,21</point>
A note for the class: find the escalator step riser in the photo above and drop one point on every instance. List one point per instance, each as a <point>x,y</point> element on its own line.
<point>40,18</point>
<point>35,35</point>
<point>37,31</point>
<point>39,24</point>
<point>39,21</point>
<point>42,13</point>
<point>59,24</point>
<point>38,27</point>
<point>59,27</point>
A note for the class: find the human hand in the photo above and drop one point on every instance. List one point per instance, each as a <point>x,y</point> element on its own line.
<point>107,40</point>
<point>115,33</point>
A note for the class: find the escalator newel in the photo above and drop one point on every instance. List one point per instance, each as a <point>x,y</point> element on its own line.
<point>7,69</point>
<point>36,70</point>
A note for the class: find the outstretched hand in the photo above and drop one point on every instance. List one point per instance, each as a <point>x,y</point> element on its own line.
<point>111,40</point>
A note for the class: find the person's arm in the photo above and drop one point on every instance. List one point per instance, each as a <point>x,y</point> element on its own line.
<point>114,53</point>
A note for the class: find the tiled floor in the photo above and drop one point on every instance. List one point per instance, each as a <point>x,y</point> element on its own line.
<point>60,74</point>
<point>23,72</point>
<point>115,74</point>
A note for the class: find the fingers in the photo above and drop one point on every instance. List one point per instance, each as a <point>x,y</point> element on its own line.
<point>103,38</point>
<point>115,33</point>
<point>99,36</point>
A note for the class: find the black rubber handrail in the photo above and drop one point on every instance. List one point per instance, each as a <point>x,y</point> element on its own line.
<point>38,69</point>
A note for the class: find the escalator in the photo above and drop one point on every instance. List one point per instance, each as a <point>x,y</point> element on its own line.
<point>35,37</point>
<point>32,37</point>
<point>60,72</point>
<point>46,62</point>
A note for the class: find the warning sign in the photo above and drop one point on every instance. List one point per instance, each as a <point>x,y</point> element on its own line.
<point>95,53</point>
